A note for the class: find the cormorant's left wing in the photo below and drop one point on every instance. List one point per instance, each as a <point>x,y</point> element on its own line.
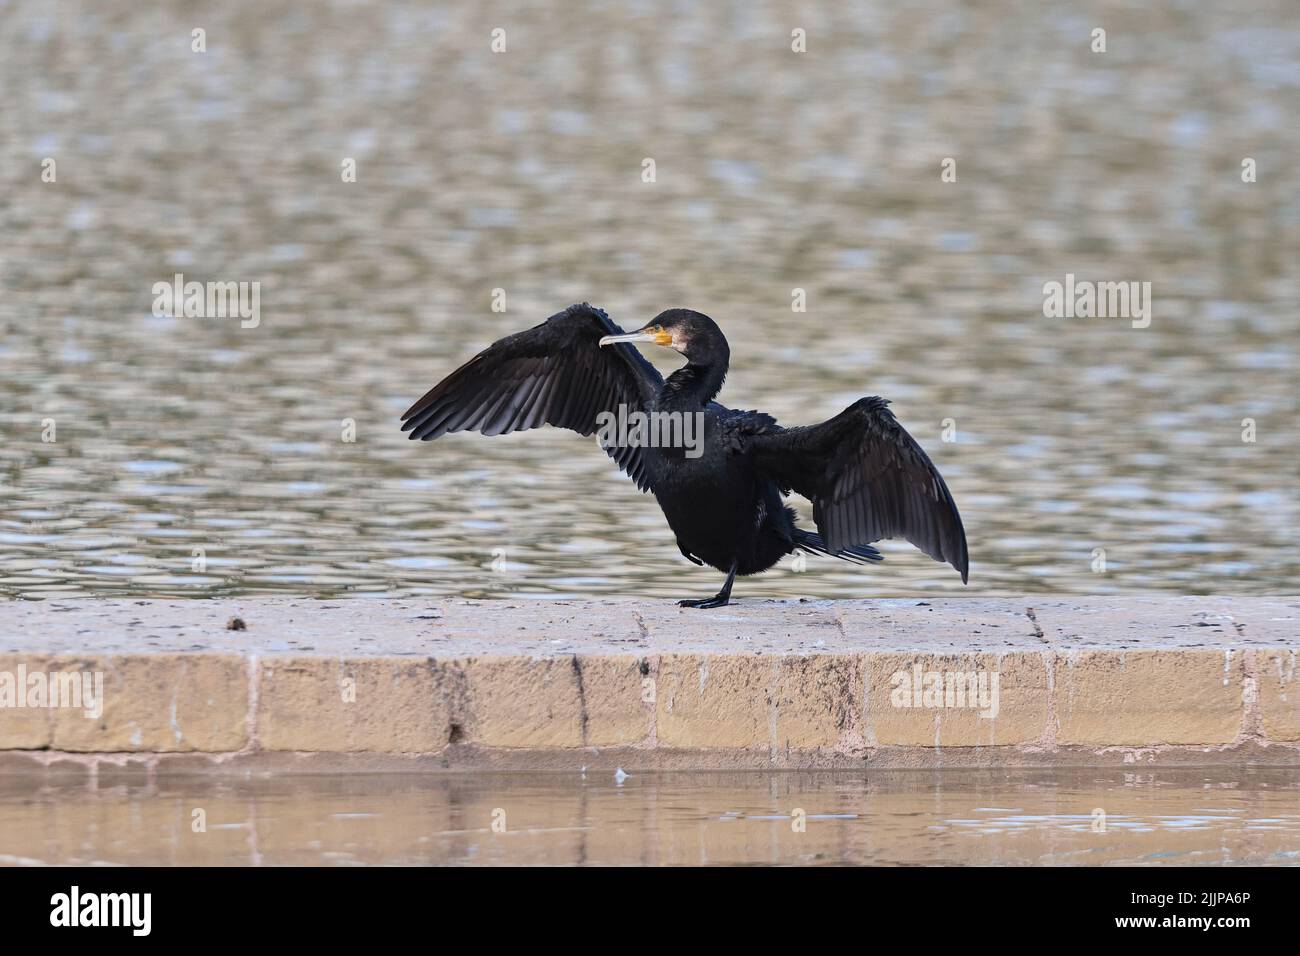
<point>556,374</point>
<point>867,479</point>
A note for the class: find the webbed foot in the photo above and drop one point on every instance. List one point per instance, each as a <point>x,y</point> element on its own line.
<point>718,600</point>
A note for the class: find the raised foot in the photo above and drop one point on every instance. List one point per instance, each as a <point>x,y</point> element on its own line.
<point>716,601</point>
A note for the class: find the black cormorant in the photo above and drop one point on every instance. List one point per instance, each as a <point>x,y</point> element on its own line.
<point>866,476</point>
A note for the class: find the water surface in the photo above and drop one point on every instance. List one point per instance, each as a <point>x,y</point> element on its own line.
<point>1096,817</point>
<point>196,457</point>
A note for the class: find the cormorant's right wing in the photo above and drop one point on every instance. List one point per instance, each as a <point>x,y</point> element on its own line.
<point>556,374</point>
<point>867,479</point>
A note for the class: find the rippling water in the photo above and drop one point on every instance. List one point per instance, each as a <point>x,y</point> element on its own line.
<point>1041,818</point>
<point>196,457</point>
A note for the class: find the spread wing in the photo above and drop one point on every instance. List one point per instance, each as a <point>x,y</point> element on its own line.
<point>555,373</point>
<point>867,479</point>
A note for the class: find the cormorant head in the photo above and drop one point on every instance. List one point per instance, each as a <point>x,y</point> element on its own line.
<point>693,334</point>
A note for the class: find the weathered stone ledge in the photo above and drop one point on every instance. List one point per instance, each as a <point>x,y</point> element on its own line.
<point>322,686</point>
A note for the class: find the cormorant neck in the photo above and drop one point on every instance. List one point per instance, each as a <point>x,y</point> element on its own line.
<point>694,385</point>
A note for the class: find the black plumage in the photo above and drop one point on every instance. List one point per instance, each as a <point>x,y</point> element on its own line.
<point>866,476</point>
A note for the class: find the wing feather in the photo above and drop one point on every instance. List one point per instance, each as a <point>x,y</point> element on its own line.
<point>555,373</point>
<point>868,479</point>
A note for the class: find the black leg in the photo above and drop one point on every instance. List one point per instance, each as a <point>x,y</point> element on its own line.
<point>718,600</point>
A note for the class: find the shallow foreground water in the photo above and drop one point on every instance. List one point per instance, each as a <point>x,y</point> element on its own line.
<point>1083,817</point>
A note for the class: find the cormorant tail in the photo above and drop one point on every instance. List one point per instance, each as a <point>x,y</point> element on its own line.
<point>812,542</point>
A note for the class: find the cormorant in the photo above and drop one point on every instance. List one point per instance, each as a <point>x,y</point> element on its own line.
<point>866,476</point>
